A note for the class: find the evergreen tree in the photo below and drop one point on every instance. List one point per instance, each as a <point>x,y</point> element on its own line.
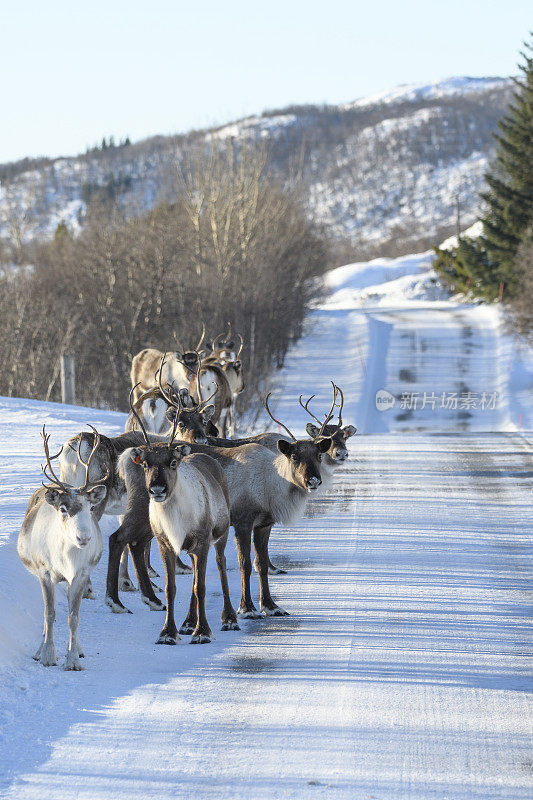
<point>487,262</point>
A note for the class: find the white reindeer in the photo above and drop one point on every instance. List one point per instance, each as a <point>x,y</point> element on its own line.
<point>60,540</point>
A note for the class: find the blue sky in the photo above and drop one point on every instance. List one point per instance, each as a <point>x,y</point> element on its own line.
<point>72,72</point>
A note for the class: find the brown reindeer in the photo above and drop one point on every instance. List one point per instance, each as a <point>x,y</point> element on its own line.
<point>184,499</point>
<point>178,369</point>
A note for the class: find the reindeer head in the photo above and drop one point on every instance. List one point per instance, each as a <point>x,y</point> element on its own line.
<point>304,457</point>
<point>160,460</point>
<point>74,505</point>
<point>222,349</point>
<point>190,358</point>
<point>160,463</point>
<point>193,419</point>
<point>338,452</point>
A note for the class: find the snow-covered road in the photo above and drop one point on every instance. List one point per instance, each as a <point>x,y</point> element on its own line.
<point>403,669</point>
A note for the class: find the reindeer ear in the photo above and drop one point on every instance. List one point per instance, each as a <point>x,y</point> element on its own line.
<point>135,455</point>
<point>186,398</point>
<point>284,447</point>
<point>212,430</point>
<point>53,496</point>
<point>208,412</point>
<point>181,450</point>
<point>312,430</point>
<point>349,430</point>
<point>97,495</point>
<point>324,444</point>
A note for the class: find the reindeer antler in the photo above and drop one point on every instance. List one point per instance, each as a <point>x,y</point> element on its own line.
<point>158,376</point>
<point>220,335</point>
<point>202,337</point>
<point>87,485</point>
<point>54,480</point>
<point>305,407</point>
<point>338,388</point>
<point>137,417</point>
<point>329,415</point>
<point>272,417</point>
<point>180,346</point>
<point>240,347</point>
<point>203,403</point>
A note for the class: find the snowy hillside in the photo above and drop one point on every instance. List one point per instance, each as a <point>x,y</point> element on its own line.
<point>401,671</point>
<point>390,171</point>
<point>430,91</point>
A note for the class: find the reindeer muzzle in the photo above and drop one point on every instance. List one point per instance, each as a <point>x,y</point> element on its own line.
<point>158,493</point>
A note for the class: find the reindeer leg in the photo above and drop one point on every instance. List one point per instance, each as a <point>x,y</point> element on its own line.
<point>74,593</point>
<point>169,634</point>
<point>148,595</point>
<point>125,583</point>
<point>228,616</point>
<point>88,593</point>
<point>181,568</point>
<point>190,621</point>
<point>268,606</point>
<point>46,653</point>
<point>117,542</point>
<point>202,633</point>
<point>243,540</point>
<point>272,569</point>
<point>151,571</point>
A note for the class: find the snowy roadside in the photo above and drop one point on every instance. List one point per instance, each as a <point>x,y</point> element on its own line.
<point>389,325</point>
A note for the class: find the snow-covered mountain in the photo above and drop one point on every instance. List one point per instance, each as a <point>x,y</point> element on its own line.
<point>386,174</point>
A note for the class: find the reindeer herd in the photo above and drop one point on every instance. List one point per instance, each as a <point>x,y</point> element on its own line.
<point>176,476</point>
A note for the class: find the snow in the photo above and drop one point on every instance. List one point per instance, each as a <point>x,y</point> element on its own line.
<point>473,232</point>
<point>255,127</point>
<point>408,93</point>
<point>390,183</point>
<point>401,671</point>
<point>388,324</point>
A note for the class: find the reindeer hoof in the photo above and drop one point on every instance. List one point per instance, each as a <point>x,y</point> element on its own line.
<point>250,613</point>
<point>155,605</point>
<point>152,573</point>
<point>155,587</point>
<point>166,638</point>
<point>185,570</point>
<point>202,638</point>
<point>116,608</point>
<point>276,571</point>
<point>72,664</point>
<point>277,611</point>
<point>126,585</point>
<point>186,629</point>
<point>89,594</point>
<point>48,656</point>
<point>230,625</point>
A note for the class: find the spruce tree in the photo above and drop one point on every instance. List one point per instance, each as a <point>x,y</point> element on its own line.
<point>487,262</point>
